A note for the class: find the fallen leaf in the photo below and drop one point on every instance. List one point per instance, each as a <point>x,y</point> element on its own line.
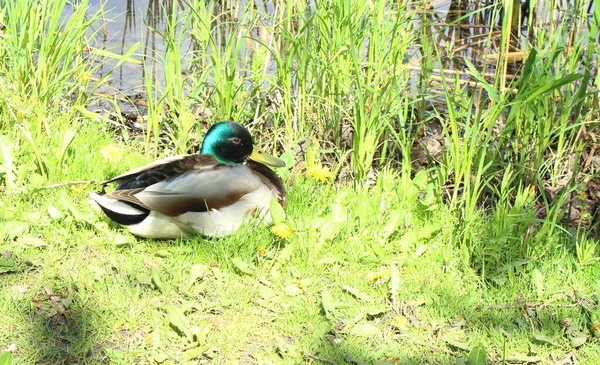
<point>178,321</point>
<point>327,303</point>
<point>197,272</point>
<point>578,340</point>
<point>357,294</point>
<point>195,353</point>
<point>520,358</point>
<point>407,240</point>
<point>7,264</point>
<point>243,266</point>
<point>545,339</point>
<point>537,279</point>
<point>162,253</point>
<point>277,212</point>
<point>321,330</point>
<point>156,280</point>
<point>420,250</point>
<point>477,356</point>
<point>365,330</point>
<point>293,290</point>
<point>13,229</point>
<point>6,358</point>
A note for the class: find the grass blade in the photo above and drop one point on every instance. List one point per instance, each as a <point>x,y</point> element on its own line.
<point>6,152</point>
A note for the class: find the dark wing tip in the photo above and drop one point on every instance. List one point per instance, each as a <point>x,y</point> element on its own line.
<point>124,219</point>
<point>270,178</point>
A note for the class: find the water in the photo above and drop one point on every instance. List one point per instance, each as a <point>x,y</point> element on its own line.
<point>134,22</point>
<point>128,23</point>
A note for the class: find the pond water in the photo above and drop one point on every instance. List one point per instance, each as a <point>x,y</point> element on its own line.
<point>126,24</point>
<point>130,22</point>
<point>140,22</point>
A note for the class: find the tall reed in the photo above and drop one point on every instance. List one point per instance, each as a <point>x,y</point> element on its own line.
<point>511,143</point>
<point>45,53</point>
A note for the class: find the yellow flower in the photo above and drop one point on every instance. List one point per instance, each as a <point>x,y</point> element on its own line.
<point>282,230</point>
<point>375,276</point>
<point>303,284</point>
<point>261,251</point>
<point>111,153</point>
<point>85,76</point>
<point>319,172</point>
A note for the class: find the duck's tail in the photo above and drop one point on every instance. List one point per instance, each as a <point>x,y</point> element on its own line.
<point>121,212</point>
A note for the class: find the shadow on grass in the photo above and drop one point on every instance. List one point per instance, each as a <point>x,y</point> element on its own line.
<point>329,352</point>
<point>516,320</point>
<point>61,328</point>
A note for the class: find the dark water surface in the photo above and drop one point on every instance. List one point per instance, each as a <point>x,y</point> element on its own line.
<point>127,23</point>
<point>140,22</point>
<point>130,22</point>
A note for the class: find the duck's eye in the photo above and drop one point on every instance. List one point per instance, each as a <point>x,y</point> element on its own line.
<point>236,140</point>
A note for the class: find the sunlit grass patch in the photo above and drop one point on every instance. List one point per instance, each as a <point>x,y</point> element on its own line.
<point>350,277</point>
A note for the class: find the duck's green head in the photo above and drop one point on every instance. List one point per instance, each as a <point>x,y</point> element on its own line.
<point>230,143</point>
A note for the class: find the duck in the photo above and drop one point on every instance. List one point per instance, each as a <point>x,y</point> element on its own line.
<point>210,193</point>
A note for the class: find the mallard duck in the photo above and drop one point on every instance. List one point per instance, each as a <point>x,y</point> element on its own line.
<point>210,193</point>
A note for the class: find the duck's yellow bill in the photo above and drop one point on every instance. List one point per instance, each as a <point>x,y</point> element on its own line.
<point>266,159</point>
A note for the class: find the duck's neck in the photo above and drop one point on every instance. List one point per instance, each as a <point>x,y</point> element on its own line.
<point>208,149</point>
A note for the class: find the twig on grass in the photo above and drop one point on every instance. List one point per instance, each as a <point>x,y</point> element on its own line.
<point>423,282</point>
<point>531,305</point>
<point>321,359</point>
<point>46,187</point>
<point>571,358</point>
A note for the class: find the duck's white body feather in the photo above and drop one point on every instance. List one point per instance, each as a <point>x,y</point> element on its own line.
<point>225,221</point>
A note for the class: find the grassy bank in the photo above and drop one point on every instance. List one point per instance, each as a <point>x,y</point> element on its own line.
<point>456,226</point>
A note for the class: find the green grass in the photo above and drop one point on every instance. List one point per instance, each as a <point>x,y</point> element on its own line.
<point>470,258</point>
<point>339,289</point>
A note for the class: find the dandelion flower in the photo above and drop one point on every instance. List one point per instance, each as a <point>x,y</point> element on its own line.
<point>319,172</point>
<point>293,290</point>
<point>111,153</point>
<point>261,251</point>
<point>375,276</point>
<point>303,284</point>
<point>282,230</point>
<point>85,76</point>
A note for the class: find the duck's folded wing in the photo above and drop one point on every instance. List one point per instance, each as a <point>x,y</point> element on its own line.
<point>152,165</point>
<point>164,169</point>
<point>197,190</point>
<point>270,179</point>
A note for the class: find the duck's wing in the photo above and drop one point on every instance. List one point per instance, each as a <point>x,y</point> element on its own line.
<point>194,183</point>
<point>270,179</point>
<point>162,169</point>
